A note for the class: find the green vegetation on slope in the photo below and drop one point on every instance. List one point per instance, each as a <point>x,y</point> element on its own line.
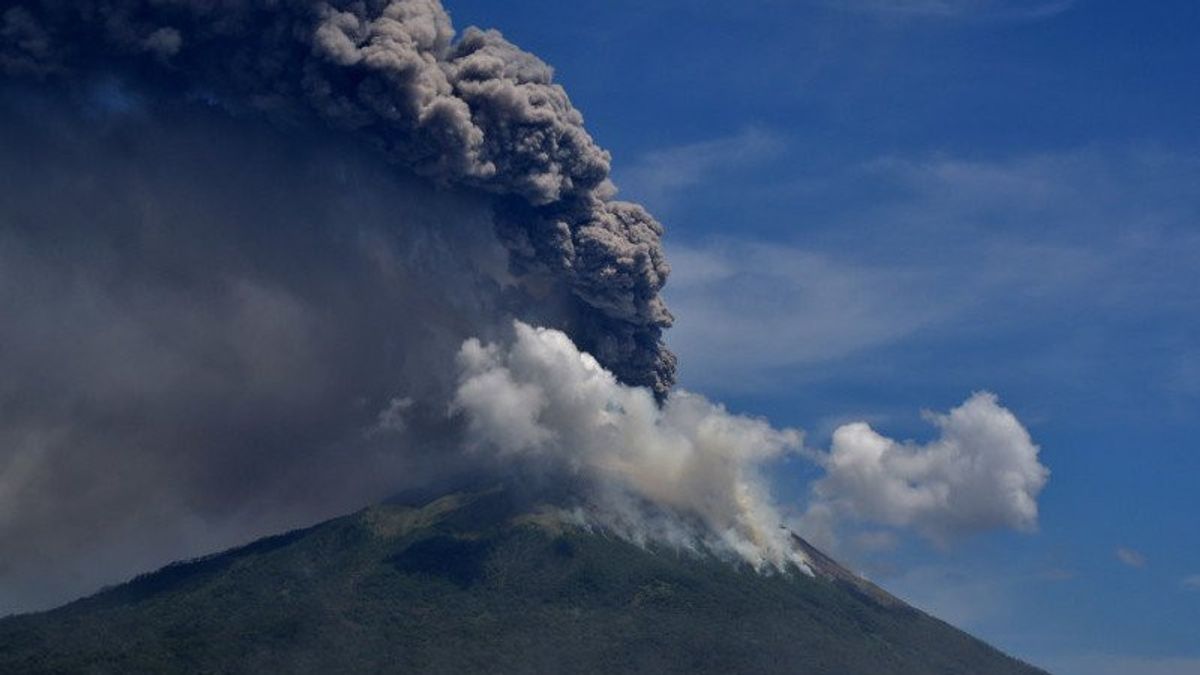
<point>473,583</point>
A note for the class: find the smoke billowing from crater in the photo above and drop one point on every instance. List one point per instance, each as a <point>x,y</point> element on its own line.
<point>260,263</point>
<point>538,397</point>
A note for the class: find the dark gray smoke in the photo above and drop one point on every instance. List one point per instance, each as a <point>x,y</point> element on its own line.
<point>475,112</point>
<point>241,245</point>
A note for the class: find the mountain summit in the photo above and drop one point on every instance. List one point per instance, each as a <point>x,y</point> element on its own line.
<point>487,581</point>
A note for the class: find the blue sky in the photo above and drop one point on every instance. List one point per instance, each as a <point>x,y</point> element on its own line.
<point>876,207</point>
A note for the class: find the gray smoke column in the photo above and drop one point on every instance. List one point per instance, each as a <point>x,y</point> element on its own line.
<point>475,112</point>
<point>241,245</point>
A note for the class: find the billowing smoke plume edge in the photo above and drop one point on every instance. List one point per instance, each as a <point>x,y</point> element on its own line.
<point>688,473</point>
<point>476,112</point>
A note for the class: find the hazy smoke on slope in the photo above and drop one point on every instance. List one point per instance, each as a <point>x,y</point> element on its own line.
<point>540,398</point>
<point>240,245</point>
<point>211,329</point>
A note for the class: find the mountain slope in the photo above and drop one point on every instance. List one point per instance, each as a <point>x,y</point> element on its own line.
<point>485,582</point>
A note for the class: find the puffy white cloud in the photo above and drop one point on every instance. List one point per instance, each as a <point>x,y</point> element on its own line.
<point>687,472</point>
<point>981,473</point>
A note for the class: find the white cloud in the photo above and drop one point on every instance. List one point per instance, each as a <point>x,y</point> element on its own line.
<point>981,473</point>
<point>1192,583</point>
<point>746,308</point>
<point>1130,557</point>
<point>1057,574</point>
<point>948,251</point>
<point>658,176</point>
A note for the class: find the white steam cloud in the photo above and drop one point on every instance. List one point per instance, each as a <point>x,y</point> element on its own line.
<point>981,473</point>
<point>541,398</point>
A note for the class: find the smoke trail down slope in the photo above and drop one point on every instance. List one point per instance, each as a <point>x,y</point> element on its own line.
<point>540,398</point>
<point>475,112</point>
<point>203,342</point>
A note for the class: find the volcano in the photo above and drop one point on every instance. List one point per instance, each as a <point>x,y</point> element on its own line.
<point>488,580</point>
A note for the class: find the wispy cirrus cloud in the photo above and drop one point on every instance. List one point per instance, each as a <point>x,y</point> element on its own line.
<point>938,247</point>
<point>658,177</point>
<point>1002,10</point>
<point>1123,664</point>
<point>1130,558</point>
<point>749,307</point>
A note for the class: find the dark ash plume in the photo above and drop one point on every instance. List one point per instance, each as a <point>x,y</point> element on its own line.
<point>476,112</point>
<point>241,244</point>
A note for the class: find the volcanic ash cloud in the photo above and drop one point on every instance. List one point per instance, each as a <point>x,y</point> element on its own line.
<point>240,244</point>
<point>261,263</point>
<point>474,111</point>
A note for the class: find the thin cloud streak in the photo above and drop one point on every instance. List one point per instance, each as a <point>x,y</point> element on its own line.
<point>658,177</point>
<point>749,308</point>
<point>1130,558</point>
<point>975,10</point>
<point>1117,664</point>
<point>939,247</point>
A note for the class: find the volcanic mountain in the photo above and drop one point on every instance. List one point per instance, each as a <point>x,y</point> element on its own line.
<point>488,581</point>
